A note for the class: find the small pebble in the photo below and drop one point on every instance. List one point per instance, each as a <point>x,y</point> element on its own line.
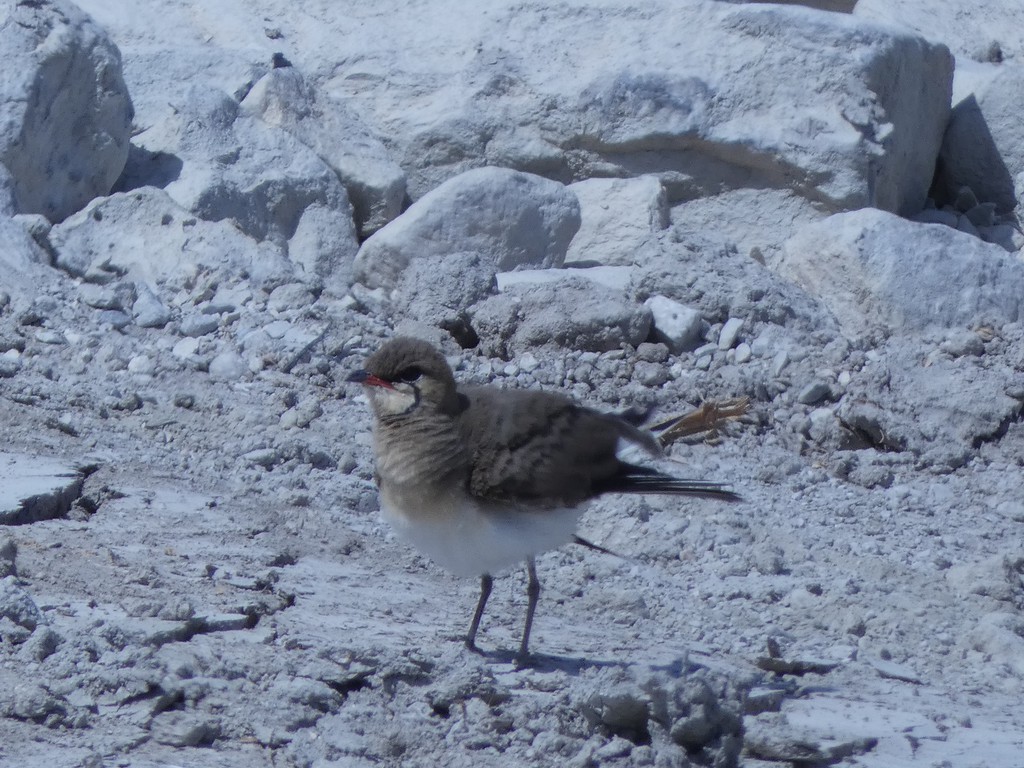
<point>730,332</point>
<point>185,348</point>
<point>779,362</point>
<point>228,366</point>
<point>743,352</point>
<point>142,365</point>
<point>528,363</point>
<point>198,325</point>
<point>813,393</point>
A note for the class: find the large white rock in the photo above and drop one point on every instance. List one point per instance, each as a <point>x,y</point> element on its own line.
<point>989,31</point>
<point>65,114</point>
<point>847,112</point>
<point>616,217</point>
<point>513,218</point>
<point>375,183</point>
<point>984,145</point>
<point>23,261</point>
<point>145,236</point>
<point>236,167</point>
<point>870,267</point>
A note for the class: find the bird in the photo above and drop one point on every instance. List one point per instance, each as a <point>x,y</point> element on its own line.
<point>480,478</point>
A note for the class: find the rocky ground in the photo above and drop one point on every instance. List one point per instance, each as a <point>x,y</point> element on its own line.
<point>212,212</point>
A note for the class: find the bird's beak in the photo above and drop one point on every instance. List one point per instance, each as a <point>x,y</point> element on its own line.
<point>368,379</point>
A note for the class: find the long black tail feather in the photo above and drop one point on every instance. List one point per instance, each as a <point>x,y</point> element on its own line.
<point>634,479</point>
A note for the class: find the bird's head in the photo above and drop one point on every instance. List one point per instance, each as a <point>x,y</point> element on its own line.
<point>406,375</point>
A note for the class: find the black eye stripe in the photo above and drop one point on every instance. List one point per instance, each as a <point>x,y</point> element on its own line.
<point>410,374</point>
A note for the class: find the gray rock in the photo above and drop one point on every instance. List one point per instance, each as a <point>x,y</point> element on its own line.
<point>730,332</point>
<point>67,66</point>
<point>960,342</point>
<point>228,366</point>
<point>675,324</point>
<point>375,183</point>
<point>704,116</point>
<point>147,236</point>
<point>814,392</point>
<point>198,325</point>
<point>898,404</point>
<point>872,267</point>
<point>236,167</point>
<point>148,310</point>
<point>616,217</point>
<point>575,315</point>
<point>10,364</point>
<point>184,729</point>
<point>439,291</point>
<point>18,606</point>
<point>983,148</point>
<point>516,219</point>
<point>8,555</point>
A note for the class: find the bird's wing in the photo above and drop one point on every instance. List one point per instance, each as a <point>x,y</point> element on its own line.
<point>541,447</point>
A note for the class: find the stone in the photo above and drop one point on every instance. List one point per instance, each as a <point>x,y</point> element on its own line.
<point>375,183</point>
<point>983,147</point>
<point>729,333</point>
<point>237,167</point>
<point>574,314</point>
<point>675,324</point>
<point>516,219</point>
<point>34,488</point>
<point>968,29</point>
<point>732,107</point>
<point>616,216</point>
<point>198,325</point>
<point>148,310</point>
<point>17,605</point>
<point>68,66</point>
<point>813,393</point>
<point>617,278</point>
<point>870,267</point>
<point>146,236</point>
<point>439,291</point>
<point>228,366</point>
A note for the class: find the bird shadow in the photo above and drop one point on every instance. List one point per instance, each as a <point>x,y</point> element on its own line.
<point>548,662</point>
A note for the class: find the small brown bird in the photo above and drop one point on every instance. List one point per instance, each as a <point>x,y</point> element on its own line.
<point>481,478</point>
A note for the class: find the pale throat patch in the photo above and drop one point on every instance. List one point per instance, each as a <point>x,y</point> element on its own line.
<point>389,402</point>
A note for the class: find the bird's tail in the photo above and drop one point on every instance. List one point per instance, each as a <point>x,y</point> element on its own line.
<point>634,479</point>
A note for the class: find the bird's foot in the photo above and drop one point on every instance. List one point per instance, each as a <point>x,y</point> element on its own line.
<point>473,647</point>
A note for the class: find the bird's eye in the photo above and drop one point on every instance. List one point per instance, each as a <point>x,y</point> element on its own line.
<point>410,374</point>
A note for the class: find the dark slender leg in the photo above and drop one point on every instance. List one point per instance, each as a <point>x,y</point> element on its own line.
<point>533,593</point>
<point>486,582</point>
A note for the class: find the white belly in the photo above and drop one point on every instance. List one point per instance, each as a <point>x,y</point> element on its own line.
<point>470,541</point>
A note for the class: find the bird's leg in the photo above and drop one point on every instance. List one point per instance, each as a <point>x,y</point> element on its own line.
<point>533,594</point>
<point>486,582</point>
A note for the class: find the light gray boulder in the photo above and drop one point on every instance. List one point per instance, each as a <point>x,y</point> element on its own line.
<point>236,167</point>
<point>873,268</point>
<point>616,217</point>
<point>847,112</point>
<point>989,31</point>
<point>439,291</point>
<point>516,219</point>
<point>375,183</point>
<point>573,313</point>
<point>938,409</point>
<point>65,113</point>
<point>983,148</point>
<point>23,263</point>
<point>145,236</point>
